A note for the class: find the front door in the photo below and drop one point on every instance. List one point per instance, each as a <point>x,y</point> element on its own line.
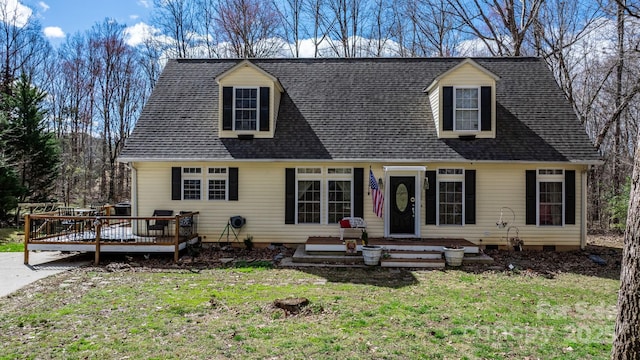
<point>402,205</point>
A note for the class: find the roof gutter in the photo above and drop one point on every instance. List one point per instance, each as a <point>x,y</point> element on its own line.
<point>360,160</point>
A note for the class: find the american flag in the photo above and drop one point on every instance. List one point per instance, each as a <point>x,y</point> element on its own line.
<point>376,195</point>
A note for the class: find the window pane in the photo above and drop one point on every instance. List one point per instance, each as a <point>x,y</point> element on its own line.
<point>191,189</point>
<point>467,109</point>
<point>246,109</point>
<point>550,203</point>
<point>217,189</point>
<point>450,202</point>
<point>339,200</point>
<point>309,201</point>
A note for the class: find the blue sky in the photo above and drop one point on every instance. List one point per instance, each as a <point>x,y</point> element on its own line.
<point>62,18</point>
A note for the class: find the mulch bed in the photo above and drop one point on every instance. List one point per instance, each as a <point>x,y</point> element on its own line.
<point>606,247</point>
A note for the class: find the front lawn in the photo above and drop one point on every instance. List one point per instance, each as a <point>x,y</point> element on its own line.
<point>135,313</point>
<point>11,240</point>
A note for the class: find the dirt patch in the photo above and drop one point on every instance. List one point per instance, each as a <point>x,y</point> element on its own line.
<point>196,258</point>
<point>602,258</point>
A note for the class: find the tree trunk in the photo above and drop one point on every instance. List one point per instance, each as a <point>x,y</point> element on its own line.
<point>626,343</point>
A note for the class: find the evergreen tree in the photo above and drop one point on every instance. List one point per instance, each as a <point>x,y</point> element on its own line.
<point>29,148</point>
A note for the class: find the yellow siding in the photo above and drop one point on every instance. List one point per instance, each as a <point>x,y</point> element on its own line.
<point>466,74</point>
<point>503,185</point>
<point>434,99</point>
<point>262,195</point>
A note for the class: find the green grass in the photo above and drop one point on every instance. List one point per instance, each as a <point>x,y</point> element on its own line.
<point>11,240</point>
<point>354,314</point>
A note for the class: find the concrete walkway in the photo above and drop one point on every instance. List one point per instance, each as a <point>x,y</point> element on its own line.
<point>14,274</point>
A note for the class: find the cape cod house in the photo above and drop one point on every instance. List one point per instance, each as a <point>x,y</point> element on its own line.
<point>460,148</point>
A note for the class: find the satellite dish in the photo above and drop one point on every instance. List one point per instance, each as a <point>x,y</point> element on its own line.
<point>237,221</point>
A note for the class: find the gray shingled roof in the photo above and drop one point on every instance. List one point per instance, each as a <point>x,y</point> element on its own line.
<point>358,109</point>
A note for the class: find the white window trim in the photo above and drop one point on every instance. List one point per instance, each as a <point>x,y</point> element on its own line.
<point>220,176</point>
<point>233,121</point>
<point>455,108</point>
<point>190,176</point>
<point>336,177</point>
<point>549,178</point>
<point>449,178</point>
<point>310,177</point>
<point>324,177</point>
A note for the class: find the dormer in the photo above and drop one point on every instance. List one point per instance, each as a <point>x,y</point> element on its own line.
<point>248,102</point>
<point>463,101</point>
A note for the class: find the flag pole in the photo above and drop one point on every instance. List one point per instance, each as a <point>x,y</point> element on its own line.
<point>369,187</point>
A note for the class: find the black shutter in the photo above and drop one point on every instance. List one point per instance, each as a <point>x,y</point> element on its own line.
<point>358,189</point>
<point>290,196</point>
<point>233,184</point>
<point>530,197</point>
<point>264,109</point>
<point>570,197</point>
<point>430,198</point>
<point>485,108</point>
<point>227,108</point>
<point>176,183</point>
<point>447,108</point>
<point>469,196</point>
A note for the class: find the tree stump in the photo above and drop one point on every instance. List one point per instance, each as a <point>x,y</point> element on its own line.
<point>291,305</point>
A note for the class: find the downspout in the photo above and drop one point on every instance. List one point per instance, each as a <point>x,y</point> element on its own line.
<point>134,190</point>
<point>134,197</point>
<point>583,209</point>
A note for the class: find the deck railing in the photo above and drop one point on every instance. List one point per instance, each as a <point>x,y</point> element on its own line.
<point>89,229</point>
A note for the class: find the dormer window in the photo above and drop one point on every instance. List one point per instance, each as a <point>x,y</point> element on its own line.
<point>467,109</point>
<point>248,101</point>
<point>245,108</point>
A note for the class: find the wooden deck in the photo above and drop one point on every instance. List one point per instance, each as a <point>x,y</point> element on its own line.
<point>102,233</point>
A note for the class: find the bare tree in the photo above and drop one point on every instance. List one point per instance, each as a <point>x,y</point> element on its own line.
<point>438,30</point>
<point>291,12</point>
<point>205,25</point>
<point>626,343</point>
<point>22,46</point>
<point>320,23</point>
<point>250,27</point>
<point>502,25</point>
<point>71,98</point>
<point>382,19</point>
<point>344,26</point>
<point>175,18</point>
<point>119,91</point>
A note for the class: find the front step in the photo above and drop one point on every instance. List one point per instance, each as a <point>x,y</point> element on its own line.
<point>409,254</point>
<point>413,263</point>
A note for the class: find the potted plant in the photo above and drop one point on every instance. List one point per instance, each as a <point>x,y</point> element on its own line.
<point>453,255</point>
<point>370,253</point>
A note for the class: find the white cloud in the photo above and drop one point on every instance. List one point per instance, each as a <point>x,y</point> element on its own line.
<point>53,32</point>
<point>134,17</point>
<point>43,5</point>
<point>145,4</point>
<point>15,13</point>
<point>138,33</point>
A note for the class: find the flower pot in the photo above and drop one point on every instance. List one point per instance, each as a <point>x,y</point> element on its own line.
<point>371,254</point>
<point>453,256</point>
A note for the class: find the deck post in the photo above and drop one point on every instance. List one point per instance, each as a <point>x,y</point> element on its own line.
<point>176,240</point>
<point>98,226</point>
<point>27,235</point>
